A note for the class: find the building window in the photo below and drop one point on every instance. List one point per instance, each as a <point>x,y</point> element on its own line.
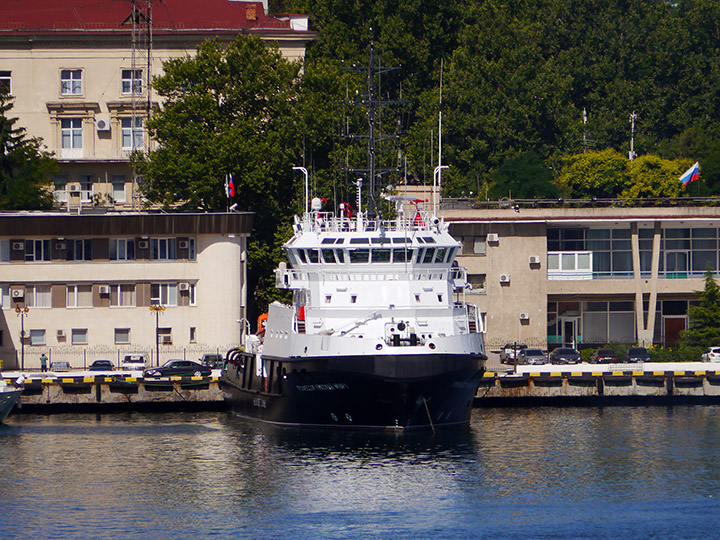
<point>79,336</point>
<point>132,136</point>
<point>5,79</point>
<point>191,294</point>
<point>163,249</point>
<point>71,82</point>
<point>38,296</point>
<point>478,245</point>
<point>163,294</point>
<point>71,131</point>
<point>5,250</point>
<point>131,81</point>
<point>5,296</point>
<point>79,296</point>
<point>61,194</point>
<point>122,249</point>
<point>477,282</point>
<point>118,188</point>
<point>193,334</point>
<point>165,335</point>
<point>37,250</point>
<point>79,250</point>
<point>86,188</point>
<point>122,336</point>
<point>191,249</point>
<point>37,337</point>
<point>122,295</point>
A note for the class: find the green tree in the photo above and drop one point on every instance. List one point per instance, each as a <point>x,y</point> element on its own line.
<point>593,174</point>
<point>704,330</point>
<point>229,110</point>
<point>524,176</point>
<point>25,169</point>
<point>652,176</point>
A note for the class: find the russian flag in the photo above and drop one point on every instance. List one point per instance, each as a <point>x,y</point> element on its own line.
<point>229,187</point>
<point>692,174</point>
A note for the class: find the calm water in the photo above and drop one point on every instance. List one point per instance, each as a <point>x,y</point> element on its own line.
<point>526,473</point>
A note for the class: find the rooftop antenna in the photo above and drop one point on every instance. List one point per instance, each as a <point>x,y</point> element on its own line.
<point>585,145</point>
<point>632,155</point>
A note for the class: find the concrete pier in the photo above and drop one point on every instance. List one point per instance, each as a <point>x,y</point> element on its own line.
<point>90,393</point>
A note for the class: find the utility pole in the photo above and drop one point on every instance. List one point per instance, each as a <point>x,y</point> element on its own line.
<point>632,155</point>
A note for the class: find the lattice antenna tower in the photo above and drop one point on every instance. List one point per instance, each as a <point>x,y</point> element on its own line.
<point>141,77</point>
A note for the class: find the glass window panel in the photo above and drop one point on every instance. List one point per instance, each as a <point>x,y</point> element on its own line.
<point>594,245</point>
<point>596,306</point>
<point>553,261</point>
<point>620,233</point>
<point>359,255</point>
<point>621,328</point>
<point>622,306</point>
<point>402,255</point>
<point>622,262</point>
<point>701,260</point>
<point>645,261</point>
<point>621,245</point>
<point>479,245</point>
<point>677,244</point>
<point>601,261</point>
<point>646,233</point>
<point>583,261</point>
<point>704,243</point>
<point>429,255</point>
<point>595,327</point>
<point>704,233</point>
<point>381,255</point>
<point>674,307</point>
<point>312,256</point>
<point>329,255</point>
<point>677,233</point>
<point>79,336</point>
<point>568,261</point>
<point>37,337</point>
<point>122,336</point>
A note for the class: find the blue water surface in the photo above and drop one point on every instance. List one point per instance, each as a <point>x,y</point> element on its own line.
<point>585,473</point>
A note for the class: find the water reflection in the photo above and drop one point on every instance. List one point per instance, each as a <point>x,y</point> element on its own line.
<point>525,473</point>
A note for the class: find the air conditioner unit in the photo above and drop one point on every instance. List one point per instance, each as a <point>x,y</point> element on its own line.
<point>102,123</point>
<point>534,259</point>
<point>184,286</point>
<point>61,333</point>
<point>18,246</point>
<point>74,187</point>
<point>493,237</point>
<point>143,244</point>
<point>183,244</point>
<point>167,339</point>
<point>524,316</point>
<point>504,278</point>
<point>18,294</point>
<point>59,245</point>
<point>104,289</point>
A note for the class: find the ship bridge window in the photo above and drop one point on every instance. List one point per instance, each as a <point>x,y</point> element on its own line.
<point>313,256</point>
<point>300,253</point>
<point>400,240</point>
<point>329,256</point>
<point>429,255</point>
<point>359,241</point>
<point>380,240</point>
<point>440,255</point>
<point>340,241</point>
<point>359,255</point>
<point>427,239</point>
<point>381,255</point>
<point>402,255</point>
<point>328,240</point>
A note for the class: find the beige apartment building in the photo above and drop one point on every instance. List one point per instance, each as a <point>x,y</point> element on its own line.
<point>81,74</point>
<point>584,275</point>
<point>82,287</point>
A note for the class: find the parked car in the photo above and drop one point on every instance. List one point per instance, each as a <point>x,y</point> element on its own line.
<point>102,365</point>
<point>509,352</point>
<point>59,366</point>
<point>564,355</point>
<point>604,356</point>
<point>212,360</point>
<point>641,354</point>
<point>178,368</point>
<point>712,355</point>
<point>532,357</point>
<point>133,362</point>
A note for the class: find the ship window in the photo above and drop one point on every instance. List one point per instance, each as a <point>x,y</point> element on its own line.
<point>353,298</point>
<point>340,241</point>
<point>440,255</point>
<point>329,255</point>
<point>400,240</point>
<point>340,256</point>
<point>428,239</point>
<point>359,255</point>
<point>328,241</point>
<point>301,255</point>
<point>451,254</point>
<point>380,240</point>
<point>402,255</point>
<point>359,241</point>
<point>312,256</point>
<point>417,298</point>
<point>328,298</point>
<point>421,254</point>
<point>428,258</point>
<point>440,297</point>
<point>381,255</point>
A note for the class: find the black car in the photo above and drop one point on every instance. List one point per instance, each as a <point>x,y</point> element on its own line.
<point>101,365</point>
<point>509,352</point>
<point>564,355</point>
<point>638,354</point>
<point>178,368</point>
<point>604,356</point>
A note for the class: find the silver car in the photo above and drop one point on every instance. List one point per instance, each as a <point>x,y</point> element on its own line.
<point>532,357</point>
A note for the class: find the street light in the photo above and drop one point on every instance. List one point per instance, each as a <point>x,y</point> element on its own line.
<point>307,188</point>
<point>22,313</point>
<point>157,308</point>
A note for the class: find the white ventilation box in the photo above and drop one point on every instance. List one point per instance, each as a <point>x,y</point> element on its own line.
<point>534,259</point>
<point>183,244</point>
<point>18,294</point>
<point>184,286</point>
<point>493,237</point>
<point>102,123</point>
<point>524,316</point>
<point>143,244</point>
<point>18,246</point>
<point>504,278</point>
<point>104,289</point>
<point>61,333</point>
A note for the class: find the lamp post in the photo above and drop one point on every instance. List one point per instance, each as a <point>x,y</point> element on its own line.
<point>22,313</point>
<point>157,308</point>
<point>437,186</point>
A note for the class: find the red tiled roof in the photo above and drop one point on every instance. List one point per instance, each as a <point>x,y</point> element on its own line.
<point>102,16</point>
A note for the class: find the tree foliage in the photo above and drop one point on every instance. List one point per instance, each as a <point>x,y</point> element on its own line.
<point>704,328</point>
<point>25,169</point>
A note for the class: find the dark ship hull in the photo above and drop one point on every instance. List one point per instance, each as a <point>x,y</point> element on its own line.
<point>377,392</point>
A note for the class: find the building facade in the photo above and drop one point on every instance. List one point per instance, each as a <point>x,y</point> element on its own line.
<point>81,75</point>
<point>80,287</point>
<point>585,276</point>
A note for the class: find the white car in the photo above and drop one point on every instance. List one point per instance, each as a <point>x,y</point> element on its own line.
<point>712,355</point>
<point>133,362</point>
